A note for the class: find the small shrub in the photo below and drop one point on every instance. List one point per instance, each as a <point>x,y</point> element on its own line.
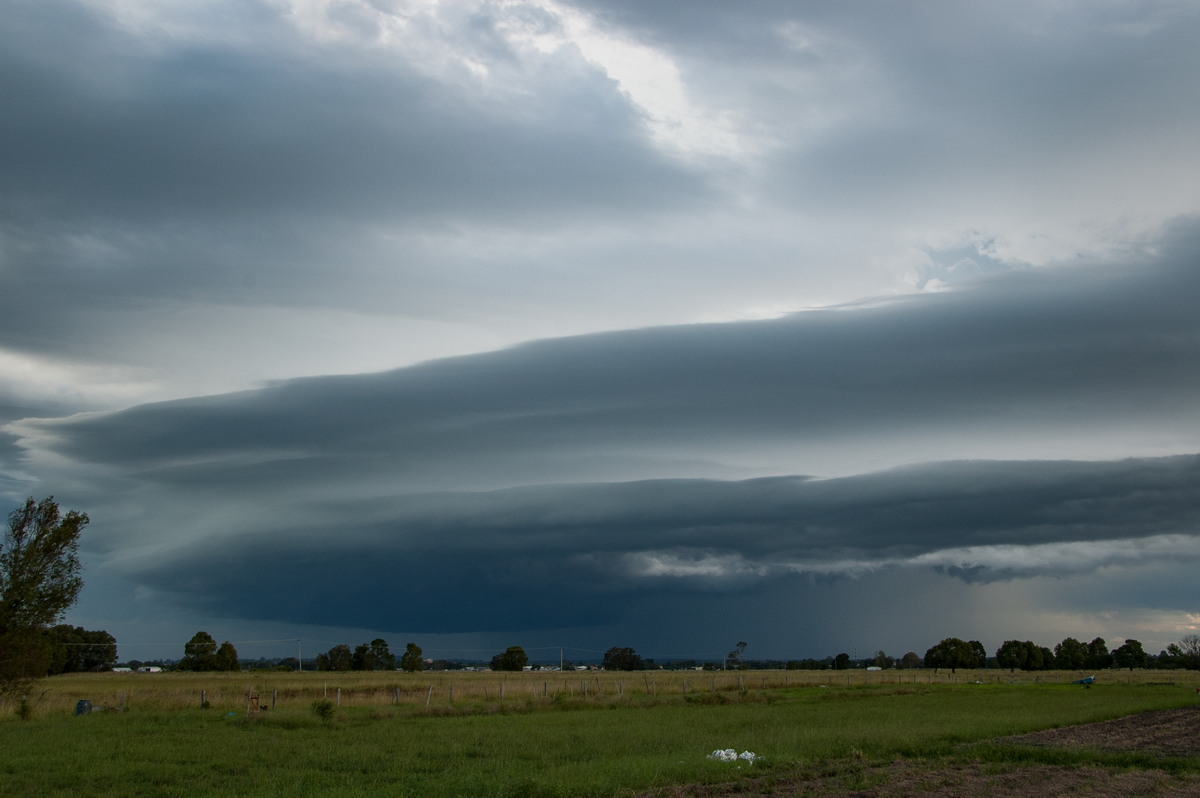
<point>323,709</point>
<point>24,709</point>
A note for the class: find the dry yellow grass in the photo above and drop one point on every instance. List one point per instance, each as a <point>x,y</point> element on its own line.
<point>443,689</point>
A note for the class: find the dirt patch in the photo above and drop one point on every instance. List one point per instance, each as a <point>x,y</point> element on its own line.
<point>1173,732</point>
<point>905,778</point>
<point>1164,732</point>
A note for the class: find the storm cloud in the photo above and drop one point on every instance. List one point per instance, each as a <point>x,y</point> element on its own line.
<point>658,324</point>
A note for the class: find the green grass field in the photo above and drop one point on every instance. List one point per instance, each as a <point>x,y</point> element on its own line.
<point>537,739</point>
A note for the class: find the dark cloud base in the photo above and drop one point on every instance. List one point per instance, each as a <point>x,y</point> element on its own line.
<point>584,555</point>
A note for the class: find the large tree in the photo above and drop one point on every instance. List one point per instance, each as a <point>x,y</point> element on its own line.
<point>1186,652</point>
<point>39,580</point>
<point>1098,656</point>
<point>1024,654</point>
<point>1131,655</point>
<point>199,654</point>
<point>621,659</point>
<point>74,649</point>
<point>513,659</point>
<point>1070,654</point>
<point>953,653</point>
<point>385,660</point>
<point>227,658</point>
<point>338,658</point>
<point>410,660</point>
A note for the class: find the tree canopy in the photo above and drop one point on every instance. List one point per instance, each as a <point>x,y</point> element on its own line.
<point>621,659</point>
<point>74,649</point>
<point>953,653</point>
<point>39,580</point>
<point>202,653</point>
<point>410,660</point>
<point>513,659</point>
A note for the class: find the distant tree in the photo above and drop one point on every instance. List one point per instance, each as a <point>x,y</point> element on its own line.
<point>910,660</point>
<point>841,662</point>
<point>74,649</point>
<point>979,652</point>
<point>338,658</point>
<point>199,654</point>
<point>621,659</point>
<point>39,580</point>
<point>1098,656</point>
<point>513,659</point>
<point>1130,655</point>
<point>385,660</point>
<point>1187,651</point>
<point>951,653</point>
<point>882,660</point>
<point>1024,654</point>
<point>410,660</point>
<point>227,658</point>
<point>1070,654</point>
<point>362,659</point>
<point>736,657</point>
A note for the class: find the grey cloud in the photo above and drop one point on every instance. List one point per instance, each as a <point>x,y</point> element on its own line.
<point>581,555</point>
<point>1089,357</point>
<point>174,180</point>
<point>377,479</point>
<point>211,133</point>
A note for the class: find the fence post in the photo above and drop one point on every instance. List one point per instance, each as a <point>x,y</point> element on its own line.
<point>428,696</point>
<point>203,699</point>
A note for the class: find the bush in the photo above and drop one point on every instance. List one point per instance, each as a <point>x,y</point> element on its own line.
<point>323,709</point>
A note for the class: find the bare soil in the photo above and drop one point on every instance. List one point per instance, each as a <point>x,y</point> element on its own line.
<point>1161,733</point>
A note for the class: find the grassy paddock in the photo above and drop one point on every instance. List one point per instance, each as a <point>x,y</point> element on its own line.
<point>566,743</point>
<point>460,690</point>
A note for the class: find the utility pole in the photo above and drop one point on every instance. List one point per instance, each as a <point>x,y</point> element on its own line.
<point>299,658</point>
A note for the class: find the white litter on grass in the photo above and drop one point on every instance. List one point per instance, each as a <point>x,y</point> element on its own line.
<point>731,755</point>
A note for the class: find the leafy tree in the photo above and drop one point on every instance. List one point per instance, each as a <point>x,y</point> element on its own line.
<point>737,656</point>
<point>621,659</point>
<point>1070,654</point>
<point>337,658</point>
<point>952,653</point>
<point>410,660</point>
<point>841,662</point>
<point>363,659</point>
<point>385,660</point>
<point>74,649</point>
<point>199,654</point>
<point>979,652</point>
<point>513,659</point>
<point>882,660</point>
<point>1024,654</point>
<point>39,580</point>
<point>1098,657</point>
<point>226,658</point>
<point>1131,655</point>
<point>910,660</point>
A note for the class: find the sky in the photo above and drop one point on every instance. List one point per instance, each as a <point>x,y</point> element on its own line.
<point>824,327</point>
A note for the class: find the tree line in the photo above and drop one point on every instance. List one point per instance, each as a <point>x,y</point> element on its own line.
<point>1070,654</point>
<point>40,579</point>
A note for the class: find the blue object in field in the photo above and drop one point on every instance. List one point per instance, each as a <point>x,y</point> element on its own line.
<point>1085,681</point>
<point>83,707</point>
